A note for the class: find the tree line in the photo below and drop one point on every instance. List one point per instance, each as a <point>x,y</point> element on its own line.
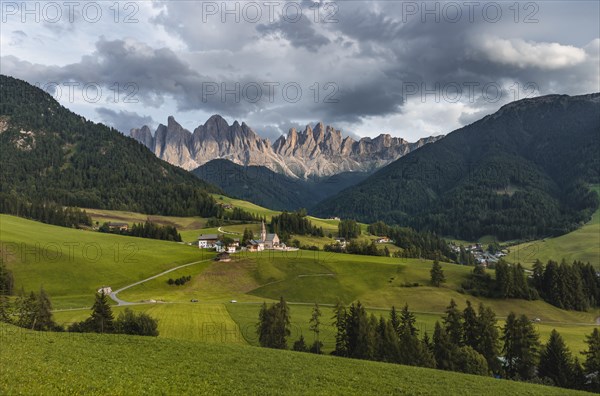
<point>146,230</point>
<point>101,320</point>
<point>45,212</point>
<point>182,280</point>
<point>33,311</point>
<point>468,341</point>
<point>415,244</point>
<point>293,223</point>
<point>572,287</point>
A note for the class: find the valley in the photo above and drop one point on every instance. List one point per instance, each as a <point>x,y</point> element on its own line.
<point>302,277</point>
<point>218,300</point>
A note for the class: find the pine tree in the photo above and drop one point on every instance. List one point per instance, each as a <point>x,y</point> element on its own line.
<point>314,325</point>
<point>300,345</point>
<point>281,326</point>
<point>453,324</point>
<point>437,274</point>
<point>340,322</point>
<point>263,327</point>
<point>387,342</point>
<point>556,361</point>
<point>471,328</point>
<point>538,276</point>
<point>395,320</point>
<point>407,322</point>
<point>44,312</point>
<point>488,338</point>
<point>102,318</point>
<point>442,348</point>
<point>521,347</point>
<point>592,359</point>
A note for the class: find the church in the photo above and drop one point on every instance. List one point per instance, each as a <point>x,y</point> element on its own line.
<point>266,241</point>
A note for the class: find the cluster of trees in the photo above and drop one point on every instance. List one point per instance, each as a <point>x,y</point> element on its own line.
<point>242,215</point>
<point>414,244</point>
<point>294,223</point>
<point>179,281</point>
<point>31,311</point>
<point>247,236</point>
<point>358,247</point>
<point>348,229</point>
<point>467,341</point>
<point>511,282</point>
<point>274,325</point>
<point>147,230</point>
<point>102,320</point>
<point>45,212</point>
<point>574,287</point>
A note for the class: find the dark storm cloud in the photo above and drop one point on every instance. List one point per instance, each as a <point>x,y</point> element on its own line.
<point>378,57</point>
<point>300,34</point>
<point>154,74</point>
<point>124,120</point>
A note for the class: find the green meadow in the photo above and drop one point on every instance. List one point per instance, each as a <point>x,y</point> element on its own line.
<point>301,277</point>
<point>582,244</point>
<point>72,264</point>
<point>96,364</point>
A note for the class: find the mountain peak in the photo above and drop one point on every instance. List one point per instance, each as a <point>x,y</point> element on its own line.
<point>321,151</point>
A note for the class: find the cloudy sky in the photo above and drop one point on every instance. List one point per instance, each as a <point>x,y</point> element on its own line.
<point>410,69</point>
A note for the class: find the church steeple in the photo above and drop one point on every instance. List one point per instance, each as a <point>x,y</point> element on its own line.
<point>263,232</point>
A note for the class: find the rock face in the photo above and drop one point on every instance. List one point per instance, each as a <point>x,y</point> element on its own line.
<point>318,151</point>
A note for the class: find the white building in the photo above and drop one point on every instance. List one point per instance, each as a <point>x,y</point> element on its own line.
<point>207,241</point>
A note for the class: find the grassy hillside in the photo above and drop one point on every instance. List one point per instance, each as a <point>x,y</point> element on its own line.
<point>301,277</point>
<point>72,264</point>
<point>582,244</point>
<point>113,364</point>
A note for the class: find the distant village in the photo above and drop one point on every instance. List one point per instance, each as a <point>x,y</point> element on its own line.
<point>483,256</point>
<point>222,244</point>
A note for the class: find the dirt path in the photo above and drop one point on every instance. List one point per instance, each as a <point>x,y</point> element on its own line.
<point>113,295</point>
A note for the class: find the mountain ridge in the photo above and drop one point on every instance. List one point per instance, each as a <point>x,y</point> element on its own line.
<point>518,173</point>
<point>50,154</point>
<point>319,151</point>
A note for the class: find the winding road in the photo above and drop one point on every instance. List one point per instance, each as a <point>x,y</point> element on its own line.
<point>220,229</point>
<point>113,295</point>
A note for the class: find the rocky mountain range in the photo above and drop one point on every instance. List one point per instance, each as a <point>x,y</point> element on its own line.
<point>317,151</point>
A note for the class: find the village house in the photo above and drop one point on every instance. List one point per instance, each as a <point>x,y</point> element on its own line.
<point>384,240</point>
<point>207,241</point>
<point>223,257</point>
<point>222,248</point>
<point>118,226</point>
<point>105,289</point>
<point>341,241</point>
<point>255,246</point>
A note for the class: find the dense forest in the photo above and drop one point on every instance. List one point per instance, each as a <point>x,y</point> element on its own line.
<point>520,173</point>
<point>273,190</point>
<point>415,244</point>
<point>467,340</point>
<point>146,230</point>
<point>293,223</point>
<point>50,152</point>
<point>573,287</point>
